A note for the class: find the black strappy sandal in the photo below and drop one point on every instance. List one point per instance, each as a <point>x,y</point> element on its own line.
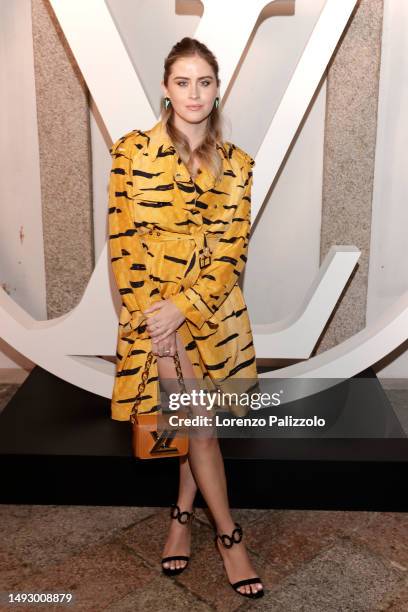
<point>176,513</point>
<point>228,541</point>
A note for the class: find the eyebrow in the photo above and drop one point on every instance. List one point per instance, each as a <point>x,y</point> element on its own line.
<point>209,76</point>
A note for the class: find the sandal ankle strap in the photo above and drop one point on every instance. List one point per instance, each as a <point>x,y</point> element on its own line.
<point>234,538</point>
<point>176,513</point>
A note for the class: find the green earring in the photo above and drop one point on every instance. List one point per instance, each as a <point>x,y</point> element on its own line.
<point>166,102</point>
<point>217,102</point>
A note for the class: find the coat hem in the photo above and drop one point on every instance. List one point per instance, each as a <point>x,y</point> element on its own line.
<point>120,413</point>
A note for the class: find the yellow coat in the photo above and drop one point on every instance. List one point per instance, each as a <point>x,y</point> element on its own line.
<point>158,220</point>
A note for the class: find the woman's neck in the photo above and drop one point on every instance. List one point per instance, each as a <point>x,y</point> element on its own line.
<point>194,132</point>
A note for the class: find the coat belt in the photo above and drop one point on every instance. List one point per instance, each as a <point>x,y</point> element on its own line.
<point>200,237</point>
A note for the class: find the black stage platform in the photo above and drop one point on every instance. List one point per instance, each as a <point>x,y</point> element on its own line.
<point>58,445</point>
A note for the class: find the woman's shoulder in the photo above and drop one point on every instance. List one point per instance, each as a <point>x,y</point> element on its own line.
<point>130,142</point>
<point>239,154</point>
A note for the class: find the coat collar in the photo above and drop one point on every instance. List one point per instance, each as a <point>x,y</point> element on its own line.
<point>161,145</point>
<point>160,142</point>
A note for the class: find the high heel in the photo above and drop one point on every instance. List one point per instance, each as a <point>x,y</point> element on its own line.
<point>176,513</point>
<point>228,541</point>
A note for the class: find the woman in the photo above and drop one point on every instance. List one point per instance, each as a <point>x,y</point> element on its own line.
<point>176,190</point>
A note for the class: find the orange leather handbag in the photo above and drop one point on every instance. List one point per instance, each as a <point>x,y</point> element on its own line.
<point>147,441</point>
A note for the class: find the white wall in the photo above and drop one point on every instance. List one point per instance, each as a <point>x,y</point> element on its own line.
<point>22,271</point>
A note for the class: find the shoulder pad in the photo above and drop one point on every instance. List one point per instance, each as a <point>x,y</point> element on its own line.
<point>243,156</point>
<point>128,143</point>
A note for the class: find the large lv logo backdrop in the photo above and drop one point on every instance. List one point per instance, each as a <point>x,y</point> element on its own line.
<point>67,346</point>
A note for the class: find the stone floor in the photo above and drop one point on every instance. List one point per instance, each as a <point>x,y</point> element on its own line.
<point>108,557</point>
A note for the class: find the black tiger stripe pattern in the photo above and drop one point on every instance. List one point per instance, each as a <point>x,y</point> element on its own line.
<point>158,218</point>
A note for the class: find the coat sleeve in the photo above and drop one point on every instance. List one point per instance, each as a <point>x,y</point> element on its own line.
<point>127,254</point>
<point>200,301</point>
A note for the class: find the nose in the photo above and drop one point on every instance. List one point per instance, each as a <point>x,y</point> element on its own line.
<point>193,91</point>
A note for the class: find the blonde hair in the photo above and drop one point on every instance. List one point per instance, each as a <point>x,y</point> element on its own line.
<point>207,151</point>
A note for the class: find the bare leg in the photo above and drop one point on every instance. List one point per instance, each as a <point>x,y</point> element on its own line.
<point>207,467</point>
<point>179,537</point>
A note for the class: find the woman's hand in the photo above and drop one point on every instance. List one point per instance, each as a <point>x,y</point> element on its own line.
<point>166,347</point>
<point>165,320</point>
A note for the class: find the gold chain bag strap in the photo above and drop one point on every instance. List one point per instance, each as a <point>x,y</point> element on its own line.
<point>147,442</point>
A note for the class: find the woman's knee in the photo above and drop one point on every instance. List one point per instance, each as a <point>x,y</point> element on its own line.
<point>202,440</point>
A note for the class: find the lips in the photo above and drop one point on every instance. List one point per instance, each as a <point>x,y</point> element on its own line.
<point>194,107</point>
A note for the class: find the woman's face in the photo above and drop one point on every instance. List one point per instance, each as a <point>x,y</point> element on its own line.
<point>192,83</point>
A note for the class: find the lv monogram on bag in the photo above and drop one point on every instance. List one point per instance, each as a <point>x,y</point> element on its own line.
<point>147,441</point>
